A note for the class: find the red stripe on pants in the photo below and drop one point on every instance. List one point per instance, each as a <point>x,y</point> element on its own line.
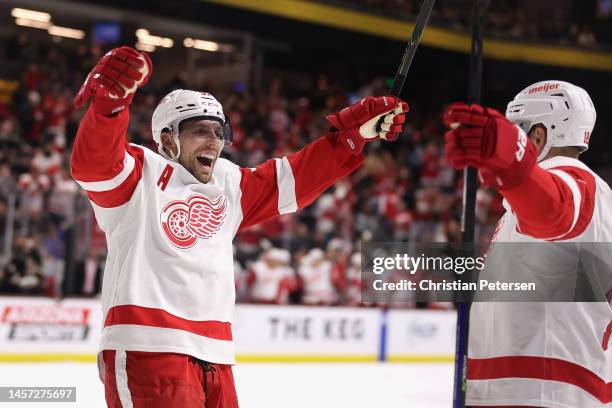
<point>169,380</point>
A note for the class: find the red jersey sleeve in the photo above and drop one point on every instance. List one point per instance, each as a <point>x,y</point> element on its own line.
<point>102,161</point>
<point>285,185</point>
<point>554,204</point>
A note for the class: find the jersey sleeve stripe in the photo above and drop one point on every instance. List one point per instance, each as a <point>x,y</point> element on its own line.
<point>542,368</point>
<point>576,196</point>
<point>287,201</point>
<point>123,192</point>
<point>152,317</point>
<point>105,185</point>
<point>586,184</point>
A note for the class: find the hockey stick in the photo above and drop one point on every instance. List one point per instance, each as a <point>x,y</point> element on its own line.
<point>469,209</point>
<point>415,38</point>
<point>402,70</point>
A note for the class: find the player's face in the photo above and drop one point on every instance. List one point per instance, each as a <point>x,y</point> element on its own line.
<point>201,143</point>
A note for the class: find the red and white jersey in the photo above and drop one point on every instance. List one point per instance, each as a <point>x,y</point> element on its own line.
<point>270,284</point>
<point>353,288</point>
<point>169,277</point>
<point>545,354</point>
<point>318,285</point>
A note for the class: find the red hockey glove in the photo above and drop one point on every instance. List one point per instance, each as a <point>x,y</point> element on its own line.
<point>484,138</point>
<point>358,123</point>
<point>114,80</point>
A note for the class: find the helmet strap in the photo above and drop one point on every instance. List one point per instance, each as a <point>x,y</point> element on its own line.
<point>176,156</point>
<point>545,150</point>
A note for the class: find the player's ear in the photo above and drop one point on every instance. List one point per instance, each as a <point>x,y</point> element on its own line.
<point>168,142</point>
<point>537,134</point>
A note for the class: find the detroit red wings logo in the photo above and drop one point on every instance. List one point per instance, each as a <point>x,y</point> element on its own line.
<point>184,222</point>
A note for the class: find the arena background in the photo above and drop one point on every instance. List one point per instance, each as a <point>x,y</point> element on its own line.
<point>278,67</point>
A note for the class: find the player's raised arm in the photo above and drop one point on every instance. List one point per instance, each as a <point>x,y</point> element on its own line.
<point>551,202</point>
<point>102,162</point>
<point>284,185</point>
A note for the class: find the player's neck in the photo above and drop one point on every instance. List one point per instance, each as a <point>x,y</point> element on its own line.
<point>567,151</point>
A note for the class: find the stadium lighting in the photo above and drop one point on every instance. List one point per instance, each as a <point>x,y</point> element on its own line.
<point>144,47</point>
<point>66,32</point>
<point>26,22</point>
<point>207,45</point>
<point>31,15</point>
<point>201,44</point>
<point>145,38</point>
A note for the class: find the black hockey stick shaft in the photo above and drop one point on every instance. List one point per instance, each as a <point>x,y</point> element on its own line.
<point>413,43</point>
<point>404,67</point>
<point>468,215</point>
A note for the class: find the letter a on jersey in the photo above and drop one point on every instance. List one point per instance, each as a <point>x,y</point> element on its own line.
<point>184,222</point>
<point>165,177</point>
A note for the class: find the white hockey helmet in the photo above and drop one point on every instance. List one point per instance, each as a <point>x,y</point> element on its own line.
<point>566,110</point>
<point>280,255</point>
<point>184,104</point>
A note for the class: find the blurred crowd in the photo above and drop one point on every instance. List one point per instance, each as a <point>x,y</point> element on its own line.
<point>572,22</point>
<point>404,192</point>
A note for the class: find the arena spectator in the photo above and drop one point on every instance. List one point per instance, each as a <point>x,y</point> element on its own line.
<point>271,278</point>
<point>53,251</point>
<point>353,281</point>
<point>316,272</point>
<point>23,274</point>
<point>88,274</point>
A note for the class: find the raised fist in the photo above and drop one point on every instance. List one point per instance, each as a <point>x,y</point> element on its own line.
<point>113,82</point>
<point>359,123</point>
<point>484,138</point>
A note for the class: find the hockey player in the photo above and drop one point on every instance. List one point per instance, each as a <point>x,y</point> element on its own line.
<point>271,277</point>
<point>316,272</point>
<point>537,354</point>
<point>353,277</point>
<point>168,290</point>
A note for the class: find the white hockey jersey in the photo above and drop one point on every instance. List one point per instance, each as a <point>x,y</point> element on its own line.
<point>270,284</point>
<point>318,286</point>
<point>545,354</point>
<point>169,278</point>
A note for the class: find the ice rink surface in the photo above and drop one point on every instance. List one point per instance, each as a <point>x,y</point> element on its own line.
<point>270,385</point>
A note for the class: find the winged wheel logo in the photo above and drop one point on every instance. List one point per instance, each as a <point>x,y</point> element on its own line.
<point>184,222</point>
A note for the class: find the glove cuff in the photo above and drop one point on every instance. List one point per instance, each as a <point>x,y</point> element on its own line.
<point>110,107</point>
<point>350,140</point>
<point>512,176</point>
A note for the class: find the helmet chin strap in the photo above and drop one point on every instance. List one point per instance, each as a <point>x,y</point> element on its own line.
<point>545,148</point>
<point>170,153</point>
<point>544,152</point>
<point>178,148</point>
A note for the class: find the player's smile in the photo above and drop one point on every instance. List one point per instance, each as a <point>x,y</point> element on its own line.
<point>205,161</point>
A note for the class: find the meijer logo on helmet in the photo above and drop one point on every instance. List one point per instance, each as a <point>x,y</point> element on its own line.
<point>543,88</point>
